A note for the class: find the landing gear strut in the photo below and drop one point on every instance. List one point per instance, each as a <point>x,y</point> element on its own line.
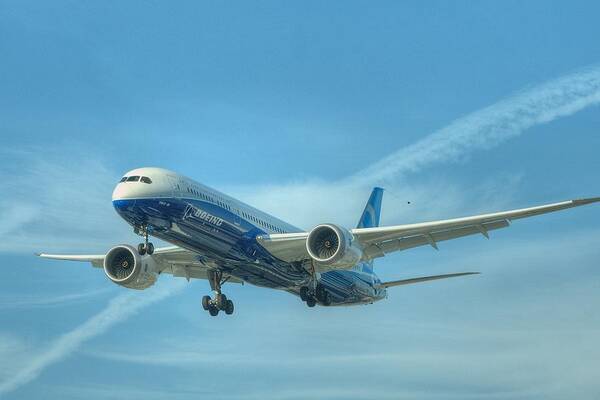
<point>220,302</point>
<point>146,247</point>
<point>314,292</point>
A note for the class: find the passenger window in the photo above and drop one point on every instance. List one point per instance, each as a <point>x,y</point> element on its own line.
<point>133,179</point>
<point>123,179</point>
<point>145,179</point>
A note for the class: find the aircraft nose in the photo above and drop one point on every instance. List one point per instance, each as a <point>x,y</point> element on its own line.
<point>121,192</point>
<point>139,183</point>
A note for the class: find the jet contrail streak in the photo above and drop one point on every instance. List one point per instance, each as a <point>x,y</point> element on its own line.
<point>487,127</point>
<point>119,309</point>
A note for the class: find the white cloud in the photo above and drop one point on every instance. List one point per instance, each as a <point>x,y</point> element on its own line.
<point>119,309</point>
<point>57,203</point>
<point>49,300</point>
<point>14,353</point>
<point>311,202</point>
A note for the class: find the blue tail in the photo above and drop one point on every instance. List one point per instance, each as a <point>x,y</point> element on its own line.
<point>372,212</point>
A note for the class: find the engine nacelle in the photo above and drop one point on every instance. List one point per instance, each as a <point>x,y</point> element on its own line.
<point>333,246</point>
<point>124,266</point>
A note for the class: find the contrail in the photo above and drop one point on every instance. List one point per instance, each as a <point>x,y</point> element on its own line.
<point>483,129</point>
<point>119,309</point>
<point>488,127</point>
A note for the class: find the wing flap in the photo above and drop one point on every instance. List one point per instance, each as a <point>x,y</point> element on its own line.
<point>389,246</point>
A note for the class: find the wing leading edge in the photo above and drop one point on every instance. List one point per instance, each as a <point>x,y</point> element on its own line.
<point>379,241</point>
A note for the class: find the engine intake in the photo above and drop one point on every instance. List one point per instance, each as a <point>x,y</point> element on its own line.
<point>124,266</point>
<point>333,246</point>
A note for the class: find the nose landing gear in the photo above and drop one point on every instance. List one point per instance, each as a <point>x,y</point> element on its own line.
<point>220,301</point>
<point>146,247</point>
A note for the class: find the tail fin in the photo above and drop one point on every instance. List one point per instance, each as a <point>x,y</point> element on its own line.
<point>372,212</point>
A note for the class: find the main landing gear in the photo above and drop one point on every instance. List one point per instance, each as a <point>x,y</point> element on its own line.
<point>315,292</point>
<point>146,247</point>
<point>220,302</point>
<point>319,294</point>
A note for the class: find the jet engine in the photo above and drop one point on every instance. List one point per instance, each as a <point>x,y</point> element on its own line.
<point>333,246</point>
<point>124,266</point>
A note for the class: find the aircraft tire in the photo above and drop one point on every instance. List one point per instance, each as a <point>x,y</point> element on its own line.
<point>321,293</point>
<point>150,249</point>
<point>221,301</point>
<point>229,307</point>
<point>311,302</point>
<point>213,311</point>
<point>304,293</point>
<point>141,249</point>
<point>206,302</point>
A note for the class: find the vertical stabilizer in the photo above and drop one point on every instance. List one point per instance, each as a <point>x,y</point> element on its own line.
<point>372,212</point>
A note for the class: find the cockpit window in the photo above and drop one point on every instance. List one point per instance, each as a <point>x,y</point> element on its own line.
<point>123,179</point>
<point>145,179</point>
<point>133,179</point>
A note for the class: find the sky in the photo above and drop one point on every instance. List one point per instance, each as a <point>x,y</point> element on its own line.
<point>300,108</point>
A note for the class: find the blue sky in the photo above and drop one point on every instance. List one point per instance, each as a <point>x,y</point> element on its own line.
<point>292,107</point>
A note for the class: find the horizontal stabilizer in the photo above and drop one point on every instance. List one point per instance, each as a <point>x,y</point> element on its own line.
<point>425,279</point>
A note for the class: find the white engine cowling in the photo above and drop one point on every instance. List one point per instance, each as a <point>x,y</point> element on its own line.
<point>333,246</point>
<point>124,266</point>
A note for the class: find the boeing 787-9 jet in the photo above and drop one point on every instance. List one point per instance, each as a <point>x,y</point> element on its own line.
<point>223,240</point>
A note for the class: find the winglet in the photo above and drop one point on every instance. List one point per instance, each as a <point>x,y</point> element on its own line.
<point>581,202</point>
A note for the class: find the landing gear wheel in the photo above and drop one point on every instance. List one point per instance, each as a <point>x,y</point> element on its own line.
<point>146,247</point>
<point>304,293</point>
<point>221,301</point>
<point>206,302</point>
<point>326,299</point>
<point>323,295</point>
<point>311,302</point>
<point>229,307</point>
<point>320,293</point>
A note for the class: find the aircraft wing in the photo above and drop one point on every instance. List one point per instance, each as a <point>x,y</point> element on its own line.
<point>379,241</point>
<point>172,260</point>
<point>425,279</point>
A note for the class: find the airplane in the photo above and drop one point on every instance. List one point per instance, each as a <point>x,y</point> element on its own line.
<point>223,240</point>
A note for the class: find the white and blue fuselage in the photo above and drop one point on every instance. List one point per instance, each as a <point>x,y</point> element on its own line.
<point>223,231</point>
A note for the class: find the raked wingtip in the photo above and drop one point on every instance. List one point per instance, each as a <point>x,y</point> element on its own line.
<point>589,200</point>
